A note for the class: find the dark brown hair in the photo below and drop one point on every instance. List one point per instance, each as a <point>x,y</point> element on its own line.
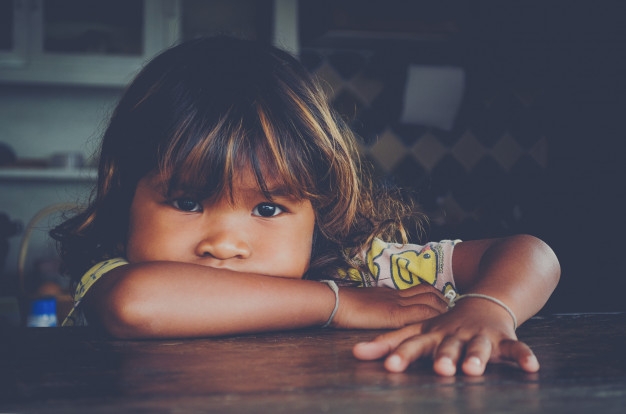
<point>206,108</point>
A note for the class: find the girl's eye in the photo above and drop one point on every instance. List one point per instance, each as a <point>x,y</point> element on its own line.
<point>267,210</point>
<point>186,204</point>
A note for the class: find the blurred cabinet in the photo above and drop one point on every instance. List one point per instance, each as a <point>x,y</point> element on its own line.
<point>94,42</point>
<point>269,21</point>
<point>13,37</point>
<point>83,41</point>
<point>250,19</point>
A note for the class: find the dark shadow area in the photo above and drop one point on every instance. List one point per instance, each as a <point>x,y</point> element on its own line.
<point>538,141</point>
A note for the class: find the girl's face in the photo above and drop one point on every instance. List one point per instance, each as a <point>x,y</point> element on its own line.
<point>248,234</point>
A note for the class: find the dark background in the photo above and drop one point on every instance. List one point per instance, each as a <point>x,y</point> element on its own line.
<point>552,70</point>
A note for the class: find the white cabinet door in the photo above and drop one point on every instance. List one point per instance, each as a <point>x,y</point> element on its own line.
<point>84,41</point>
<point>13,36</point>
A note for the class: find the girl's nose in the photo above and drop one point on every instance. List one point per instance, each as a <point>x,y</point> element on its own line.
<point>224,244</point>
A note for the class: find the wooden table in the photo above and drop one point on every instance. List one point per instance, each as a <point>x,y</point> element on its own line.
<point>73,370</point>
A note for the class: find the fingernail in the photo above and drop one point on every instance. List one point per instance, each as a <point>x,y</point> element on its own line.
<point>446,361</point>
<point>531,359</point>
<point>473,360</point>
<point>394,361</point>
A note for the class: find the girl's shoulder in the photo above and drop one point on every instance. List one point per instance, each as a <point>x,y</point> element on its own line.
<point>91,276</point>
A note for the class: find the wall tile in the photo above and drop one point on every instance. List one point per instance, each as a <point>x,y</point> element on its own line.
<point>461,175</point>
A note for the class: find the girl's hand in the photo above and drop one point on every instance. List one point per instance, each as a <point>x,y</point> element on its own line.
<point>471,334</point>
<point>383,308</point>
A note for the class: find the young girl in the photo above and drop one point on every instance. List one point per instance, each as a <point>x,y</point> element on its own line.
<point>228,189</point>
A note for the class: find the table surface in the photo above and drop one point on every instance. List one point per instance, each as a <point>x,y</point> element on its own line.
<point>72,370</point>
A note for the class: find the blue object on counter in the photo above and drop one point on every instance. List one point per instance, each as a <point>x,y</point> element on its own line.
<point>43,313</point>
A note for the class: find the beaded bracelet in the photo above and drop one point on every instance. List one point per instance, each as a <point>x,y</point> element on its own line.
<point>333,286</point>
<point>489,298</point>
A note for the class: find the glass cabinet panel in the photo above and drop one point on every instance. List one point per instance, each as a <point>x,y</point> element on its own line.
<point>6,25</point>
<point>13,37</point>
<point>112,27</point>
<point>251,19</point>
<point>89,42</point>
<point>106,42</point>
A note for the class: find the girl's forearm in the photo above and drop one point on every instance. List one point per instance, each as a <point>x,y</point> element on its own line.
<point>170,299</point>
<point>521,271</point>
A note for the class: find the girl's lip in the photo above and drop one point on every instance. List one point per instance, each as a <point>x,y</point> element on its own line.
<point>218,264</point>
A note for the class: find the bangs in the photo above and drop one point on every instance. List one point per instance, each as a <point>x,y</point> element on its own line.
<point>203,160</point>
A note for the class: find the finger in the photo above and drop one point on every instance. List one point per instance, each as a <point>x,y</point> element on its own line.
<point>425,294</point>
<point>420,289</point>
<point>447,355</point>
<point>416,313</point>
<point>431,299</point>
<point>384,344</point>
<point>409,351</point>
<point>477,354</point>
<point>520,353</point>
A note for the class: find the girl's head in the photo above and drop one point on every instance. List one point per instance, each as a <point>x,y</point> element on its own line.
<point>199,115</point>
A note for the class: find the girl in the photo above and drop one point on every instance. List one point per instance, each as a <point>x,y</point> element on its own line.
<point>228,190</point>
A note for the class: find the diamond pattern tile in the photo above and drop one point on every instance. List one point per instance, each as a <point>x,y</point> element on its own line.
<point>468,151</point>
<point>507,151</point>
<point>367,88</point>
<point>539,152</point>
<point>388,150</point>
<point>329,79</point>
<point>428,151</point>
<point>475,174</point>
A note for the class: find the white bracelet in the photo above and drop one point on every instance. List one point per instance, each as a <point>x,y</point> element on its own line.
<point>490,298</point>
<point>333,286</point>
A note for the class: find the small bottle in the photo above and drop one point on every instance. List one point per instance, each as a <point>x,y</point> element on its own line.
<point>43,313</point>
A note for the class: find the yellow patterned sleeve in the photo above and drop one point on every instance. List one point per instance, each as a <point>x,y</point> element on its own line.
<point>76,316</point>
<point>401,266</point>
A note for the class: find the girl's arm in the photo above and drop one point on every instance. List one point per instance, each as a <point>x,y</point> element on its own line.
<point>521,271</point>
<point>171,299</point>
